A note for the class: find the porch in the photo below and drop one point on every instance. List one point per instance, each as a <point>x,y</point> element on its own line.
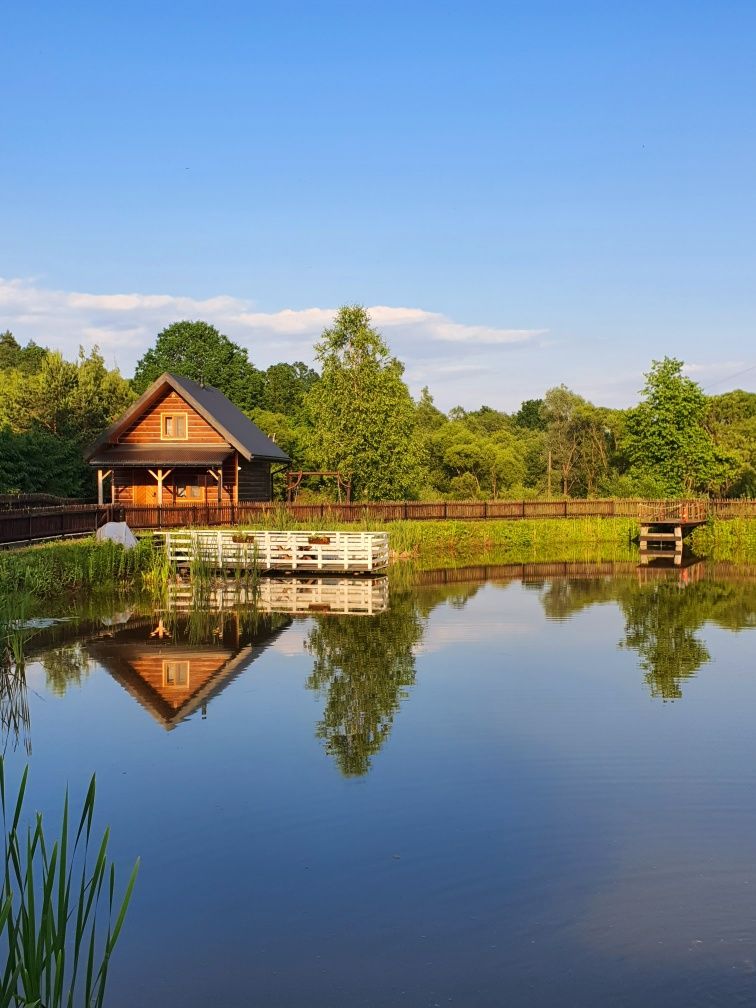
<point>168,477</point>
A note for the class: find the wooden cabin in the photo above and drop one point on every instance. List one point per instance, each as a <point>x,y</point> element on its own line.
<point>183,442</point>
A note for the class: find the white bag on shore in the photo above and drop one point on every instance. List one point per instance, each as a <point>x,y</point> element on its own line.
<point>117,532</point>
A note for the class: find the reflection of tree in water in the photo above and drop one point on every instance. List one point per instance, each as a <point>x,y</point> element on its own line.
<point>64,667</point>
<point>364,667</point>
<point>561,598</point>
<point>661,624</point>
<point>662,619</point>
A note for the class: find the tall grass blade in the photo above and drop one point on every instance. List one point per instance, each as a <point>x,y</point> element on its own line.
<point>42,918</point>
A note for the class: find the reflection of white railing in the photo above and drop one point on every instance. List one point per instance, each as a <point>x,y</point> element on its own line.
<point>672,511</point>
<point>345,596</point>
<point>284,551</point>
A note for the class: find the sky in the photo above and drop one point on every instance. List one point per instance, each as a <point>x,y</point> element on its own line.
<point>523,194</point>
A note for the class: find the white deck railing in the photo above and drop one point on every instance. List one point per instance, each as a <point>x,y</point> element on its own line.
<point>355,552</point>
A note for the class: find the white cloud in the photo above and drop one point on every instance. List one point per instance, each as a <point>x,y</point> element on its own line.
<point>462,364</point>
<point>124,325</point>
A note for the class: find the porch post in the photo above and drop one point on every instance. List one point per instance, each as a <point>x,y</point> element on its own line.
<point>160,487</point>
<point>100,494</point>
<point>220,484</point>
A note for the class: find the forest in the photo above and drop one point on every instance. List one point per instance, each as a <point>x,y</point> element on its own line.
<point>354,413</point>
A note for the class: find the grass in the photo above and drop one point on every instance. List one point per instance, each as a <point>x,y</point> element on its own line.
<point>57,950</point>
<point>727,539</point>
<point>520,539</point>
<point>57,568</point>
<point>44,572</point>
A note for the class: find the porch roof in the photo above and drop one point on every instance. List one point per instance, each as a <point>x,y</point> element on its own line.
<point>165,456</point>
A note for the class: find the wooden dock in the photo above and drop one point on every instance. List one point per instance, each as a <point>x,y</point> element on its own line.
<point>664,525</point>
<point>281,552</point>
<point>292,596</point>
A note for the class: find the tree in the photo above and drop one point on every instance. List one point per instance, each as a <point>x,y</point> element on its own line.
<point>579,439</point>
<point>428,416</point>
<point>285,388</point>
<point>13,355</point>
<point>196,350</point>
<point>466,462</point>
<point>39,462</point>
<point>50,414</point>
<point>732,422</point>
<point>361,410</point>
<point>530,415</point>
<point>667,437</point>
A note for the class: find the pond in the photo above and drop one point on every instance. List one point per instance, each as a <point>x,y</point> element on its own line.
<point>531,786</point>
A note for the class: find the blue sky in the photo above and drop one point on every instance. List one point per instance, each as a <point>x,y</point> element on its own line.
<point>526,193</point>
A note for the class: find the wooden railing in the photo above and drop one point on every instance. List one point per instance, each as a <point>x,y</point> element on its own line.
<point>666,512</point>
<point>67,521</point>
<point>39,524</point>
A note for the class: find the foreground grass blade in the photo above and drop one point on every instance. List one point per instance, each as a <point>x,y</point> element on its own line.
<point>43,917</point>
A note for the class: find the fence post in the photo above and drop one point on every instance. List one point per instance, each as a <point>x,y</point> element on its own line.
<point>405,510</point>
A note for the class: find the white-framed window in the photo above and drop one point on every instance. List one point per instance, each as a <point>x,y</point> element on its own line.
<point>174,427</point>
<point>175,673</point>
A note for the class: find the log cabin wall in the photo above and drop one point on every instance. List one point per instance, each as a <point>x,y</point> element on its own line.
<point>229,478</point>
<point>123,486</point>
<point>147,429</point>
<point>254,480</point>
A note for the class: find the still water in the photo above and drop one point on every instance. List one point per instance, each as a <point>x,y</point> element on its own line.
<point>480,789</point>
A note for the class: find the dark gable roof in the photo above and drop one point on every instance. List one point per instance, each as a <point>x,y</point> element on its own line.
<point>211,404</point>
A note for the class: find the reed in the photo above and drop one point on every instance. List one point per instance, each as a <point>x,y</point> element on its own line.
<point>57,568</point>
<point>14,707</point>
<point>157,572</point>
<point>57,950</point>
<point>15,720</point>
<point>727,539</point>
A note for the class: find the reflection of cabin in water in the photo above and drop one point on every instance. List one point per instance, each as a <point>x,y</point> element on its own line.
<point>184,443</point>
<point>171,677</point>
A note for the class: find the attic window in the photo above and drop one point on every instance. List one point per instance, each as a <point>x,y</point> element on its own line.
<point>173,427</point>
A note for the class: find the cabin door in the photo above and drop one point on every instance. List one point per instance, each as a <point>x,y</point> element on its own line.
<point>145,490</point>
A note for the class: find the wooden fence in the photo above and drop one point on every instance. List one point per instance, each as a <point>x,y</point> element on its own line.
<point>63,522</point>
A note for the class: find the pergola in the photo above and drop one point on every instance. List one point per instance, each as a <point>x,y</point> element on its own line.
<point>294,479</point>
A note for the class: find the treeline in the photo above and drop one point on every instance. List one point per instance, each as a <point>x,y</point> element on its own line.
<point>355,414</point>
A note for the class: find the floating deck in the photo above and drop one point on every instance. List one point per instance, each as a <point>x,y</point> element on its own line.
<point>292,596</point>
<point>664,525</point>
<point>284,552</point>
